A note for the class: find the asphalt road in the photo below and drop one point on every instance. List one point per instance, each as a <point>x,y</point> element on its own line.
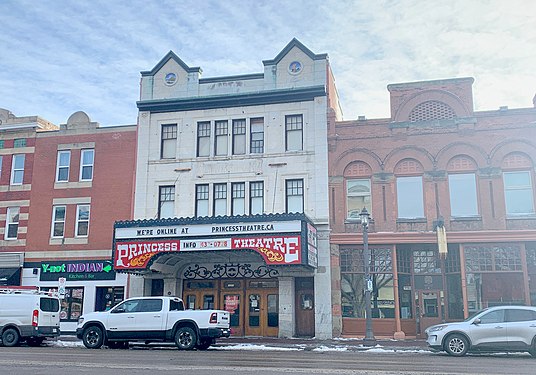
<point>144,360</point>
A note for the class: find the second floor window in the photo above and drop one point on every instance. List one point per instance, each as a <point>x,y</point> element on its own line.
<point>203,138</point>
<point>257,136</point>
<point>294,132</point>
<point>220,199</point>
<point>357,197</point>
<point>168,146</point>
<point>201,200</point>
<point>518,193</point>
<point>238,203</point>
<point>409,194</point>
<point>239,137</point>
<point>256,198</point>
<point>12,223</point>
<point>58,221</point>
<point>221,141</point>
<point>166,204</point>
<point>294,195</point>
<point>82,220</point>
<point>63,164</point>
<point>463,196</point>
<point>17,169</point>
<point>87,158</point>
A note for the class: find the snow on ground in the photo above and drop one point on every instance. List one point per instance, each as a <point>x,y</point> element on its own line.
<point>254,347</point>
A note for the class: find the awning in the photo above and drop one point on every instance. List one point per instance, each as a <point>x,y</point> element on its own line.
<point>9,276</point>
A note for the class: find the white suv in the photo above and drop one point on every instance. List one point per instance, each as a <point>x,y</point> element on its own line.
<point>501,328</point>
<point>29,317</point>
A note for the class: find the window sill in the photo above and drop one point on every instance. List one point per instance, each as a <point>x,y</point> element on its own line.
<point>415,220</point>
<point>466,218</point>
<point>521,217</point>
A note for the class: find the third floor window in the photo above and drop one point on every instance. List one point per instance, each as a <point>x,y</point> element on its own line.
<point>168,147</point>
<point>294,132</point>
<point>63,166</point>
<point>17,169</point>
<point>87,158</point>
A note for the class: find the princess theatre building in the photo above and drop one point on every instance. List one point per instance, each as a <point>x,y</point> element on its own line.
<point>231,207</point>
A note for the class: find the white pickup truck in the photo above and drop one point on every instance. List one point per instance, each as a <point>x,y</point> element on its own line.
<point>152,319</point>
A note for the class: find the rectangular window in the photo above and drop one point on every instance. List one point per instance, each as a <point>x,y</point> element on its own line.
<point>220,199</point>
<point>87,158</point>
<point>257,135</point>
<point>410,197</point>
<point>1,160</point>
<point>62,166</point>
<point>168,146</point>
<point>256,198</point>
<point>17,169</point>
<point>221,142</point>
<point>203,138</point>
<point>294,189</point>
<point>294,132</point>
<point>201,200</point>
<point>71,305</point>
<point>82,220</point>
<point>518,193</point>
<point>21,142</point>
<point>357,197</point>
<point>463,197</point>
<point>12,223</point>
<point>238,204</point>
<point>166,203</point>
<point>239,137</point>
<point>58,221</point>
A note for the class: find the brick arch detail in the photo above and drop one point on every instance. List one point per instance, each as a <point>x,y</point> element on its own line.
<point>516,160</point>
<point>350,156</point>
<point>461,163</point>
<point>358,169</point>
<point>501,150</point>
<point>447,153</point>
<point>409,152</point>
<point>442,96</point>
<point>408,166</point>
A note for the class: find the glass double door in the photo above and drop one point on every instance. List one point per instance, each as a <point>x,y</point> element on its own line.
<point>253,304</point>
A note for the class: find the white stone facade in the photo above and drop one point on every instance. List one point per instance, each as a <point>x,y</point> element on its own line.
<point>186,100</point>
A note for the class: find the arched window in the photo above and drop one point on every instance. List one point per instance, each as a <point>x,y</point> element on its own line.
<point>358,189</point>
<point>409,189</point>
<point>462,186</point>
<point>518,187</point>
<point>431,110</point>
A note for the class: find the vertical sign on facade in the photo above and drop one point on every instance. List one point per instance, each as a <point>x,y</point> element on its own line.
<point>61,287</point>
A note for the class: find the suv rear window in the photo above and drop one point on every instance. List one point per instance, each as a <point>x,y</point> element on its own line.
<point>49,304</point>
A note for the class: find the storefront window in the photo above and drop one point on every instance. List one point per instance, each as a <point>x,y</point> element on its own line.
<point>71,305</point>
<point>108,297</point>
<point>353,283</point>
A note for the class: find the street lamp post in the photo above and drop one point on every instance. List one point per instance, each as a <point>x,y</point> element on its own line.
<point>369,339</point>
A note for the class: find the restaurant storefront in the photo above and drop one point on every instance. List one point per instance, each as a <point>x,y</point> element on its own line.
<point>257,268</point>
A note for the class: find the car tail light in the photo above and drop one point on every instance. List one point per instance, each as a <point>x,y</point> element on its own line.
<point>35,318</point>
<point>213,318</point>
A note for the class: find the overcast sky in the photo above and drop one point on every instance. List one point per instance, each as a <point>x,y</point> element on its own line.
<point>58,57</point>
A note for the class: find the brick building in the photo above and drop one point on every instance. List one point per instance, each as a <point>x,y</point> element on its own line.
<point>74,181</point>
<point>436,166</point>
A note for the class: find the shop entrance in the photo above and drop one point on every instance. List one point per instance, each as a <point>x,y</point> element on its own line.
<point>305,307</point>
<point>253,304</point>
<point>429,308</point>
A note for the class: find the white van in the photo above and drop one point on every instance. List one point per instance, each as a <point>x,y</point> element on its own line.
<point>28,316</point>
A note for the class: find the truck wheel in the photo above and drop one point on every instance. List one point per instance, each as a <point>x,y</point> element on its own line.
<point>185,338</point>
<point>93,337</point>
<point>10,337</point>
<point>35,341</point>
<point>204,344</point>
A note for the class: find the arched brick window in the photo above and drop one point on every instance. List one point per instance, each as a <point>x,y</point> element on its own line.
<point>358,190</point>
<point>518,184</point>
<point>462,186</point>
<point>409,189</point>
<point>431,110</point>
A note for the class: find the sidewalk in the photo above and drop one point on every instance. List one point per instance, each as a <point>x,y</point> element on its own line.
<point>276,343</point>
